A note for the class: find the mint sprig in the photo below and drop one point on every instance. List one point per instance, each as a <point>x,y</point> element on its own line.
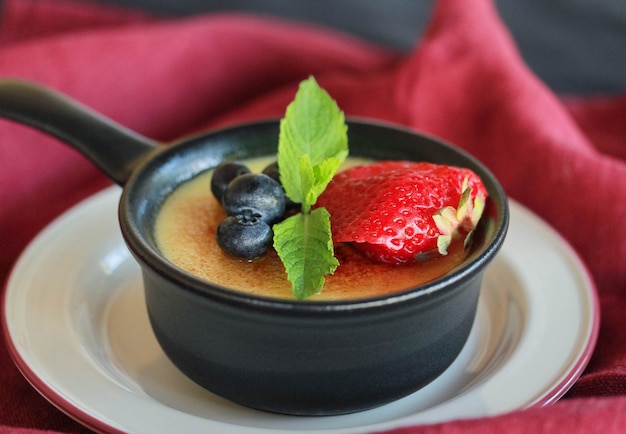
<point>312,144</point>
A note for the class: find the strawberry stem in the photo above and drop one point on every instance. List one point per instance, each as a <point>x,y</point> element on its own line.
<point>449,220</point>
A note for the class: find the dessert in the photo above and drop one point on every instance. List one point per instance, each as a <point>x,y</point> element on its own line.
<point>272,225</point>
<point>186,228</point>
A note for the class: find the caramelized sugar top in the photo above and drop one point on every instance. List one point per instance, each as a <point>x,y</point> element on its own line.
<point>185,232</point>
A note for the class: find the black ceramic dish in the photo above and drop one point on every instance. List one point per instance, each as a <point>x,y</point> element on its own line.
<point>294,357</point>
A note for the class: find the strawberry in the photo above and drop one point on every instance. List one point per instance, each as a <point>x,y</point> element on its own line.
<point>401,211</point>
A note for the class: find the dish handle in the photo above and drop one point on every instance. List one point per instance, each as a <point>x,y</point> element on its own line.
<point>113,148</point>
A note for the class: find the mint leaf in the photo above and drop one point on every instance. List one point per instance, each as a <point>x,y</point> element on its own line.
<point>312,144</point>
<point>314,179</point>
<point>304,244</point>
<point>313,126</point>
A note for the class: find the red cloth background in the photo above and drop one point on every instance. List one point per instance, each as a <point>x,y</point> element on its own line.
<point>563,157</point>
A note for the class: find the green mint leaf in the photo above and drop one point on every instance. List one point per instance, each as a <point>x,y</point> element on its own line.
<point>314,179</point>
<point>323,173</point>
<point>304,244</point>
<point>312,144</point>
<point>313,126</point>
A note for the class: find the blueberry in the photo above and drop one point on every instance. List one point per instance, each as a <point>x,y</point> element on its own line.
<point>273,172</point>
<point>258,193</point>
<point>224,174</point>
<point>244,236</point>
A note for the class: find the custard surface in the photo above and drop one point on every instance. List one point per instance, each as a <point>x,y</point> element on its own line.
<point>185,233</point>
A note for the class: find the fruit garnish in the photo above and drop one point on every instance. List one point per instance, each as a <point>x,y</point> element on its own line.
<point>394,211</point>
<point>253,202</point>
<point>224,174</point>
<point>312,144</point>
<point>257,194</point>
<point>400,212</point>
<point>244,236</point>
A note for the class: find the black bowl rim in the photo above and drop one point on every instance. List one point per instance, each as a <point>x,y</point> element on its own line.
<point>201,290</point>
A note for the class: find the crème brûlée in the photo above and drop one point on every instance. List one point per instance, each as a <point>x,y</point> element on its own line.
<point>186,235</point>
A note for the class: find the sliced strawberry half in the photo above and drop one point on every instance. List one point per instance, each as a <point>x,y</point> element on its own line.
<point>400,211</point>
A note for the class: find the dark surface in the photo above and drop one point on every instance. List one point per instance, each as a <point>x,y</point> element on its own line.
<point>575,46</point>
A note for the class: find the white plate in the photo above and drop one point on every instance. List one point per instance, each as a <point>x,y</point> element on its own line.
<point>78,330</point>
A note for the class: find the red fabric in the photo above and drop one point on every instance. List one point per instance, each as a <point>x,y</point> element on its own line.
<point>565,158</point>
